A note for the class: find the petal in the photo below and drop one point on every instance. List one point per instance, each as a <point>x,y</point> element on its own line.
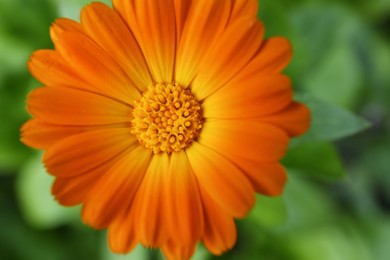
<point>220,231</point>
<point>174,251</point>
<point>294,119</point>
<point>107,29</point>
<point>223,181</point>
<point>206,22</point>
<point>83,152</point>
<point>267,178</point>
<point>115,191</point>
<point>73,190</point>
<point>249,97</point>
<point>121,234</point>
<point>185,204</point>
<point>153,25</point>
<point>150,204</point>
<point>244,8</point>
<point>61,25</point>
<point>235,48</point>
<point>273,57</point>
<point>48,67</point>
<point>245,139</point>
<point>182,8</point>
<point>126,12</point>
<point>40,135</point>
<point>66,106</point>
<point>97,68</point>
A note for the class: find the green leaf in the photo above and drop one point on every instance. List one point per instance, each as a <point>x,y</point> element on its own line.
<point>315,158</point>
<point>37,204</point>
<point>315,26</point>
<point>274,15</point>
<point>377,70</point>
<point>269,211</point>
<point>338,79</point>
<point>329,242</point>
<point>328,54</point>
<point>377,236</point>
<point>329,122</point>
<point>27,21</point>
<point>306,203</point>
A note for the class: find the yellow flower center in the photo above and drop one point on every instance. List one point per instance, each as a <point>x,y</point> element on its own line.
<point>167,118</point>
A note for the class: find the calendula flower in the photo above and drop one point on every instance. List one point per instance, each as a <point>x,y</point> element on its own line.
<point>163,118</point>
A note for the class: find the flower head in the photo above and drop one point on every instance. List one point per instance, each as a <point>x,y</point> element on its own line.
<point>163,118</point>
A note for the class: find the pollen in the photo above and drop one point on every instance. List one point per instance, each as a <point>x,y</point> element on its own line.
<point>167,118</point>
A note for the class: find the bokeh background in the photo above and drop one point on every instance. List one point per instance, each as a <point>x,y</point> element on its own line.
<point>337,202</point>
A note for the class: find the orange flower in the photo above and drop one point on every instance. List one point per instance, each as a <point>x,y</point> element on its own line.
<point>163,118</point>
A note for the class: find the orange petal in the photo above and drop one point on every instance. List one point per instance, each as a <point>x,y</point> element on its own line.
<point>182,8</point>
<point>235,48</point>
<point>96,66</point>
<point>83,152</point>
<point>48,67</point>
<point>220,231</point>
<point>126,12</point>
<point>244,8</point>
<point>115,191</point>
<point>40,135</point>
<point>246,139</point>
<point>150,204</point>
<point>153,25</point>
<point>273,57</point>
<point>61,25</point>
<point>222,180</point>
<point>107,29</point>
<point>121,233</point>
<point>267,178</point>
<point>249,97</point>
<point>174,251</point>
<point>185,204</point>
<point>294,119</point>
<point>66,106</point>
<point>206,22</point>
<point>73,190</point>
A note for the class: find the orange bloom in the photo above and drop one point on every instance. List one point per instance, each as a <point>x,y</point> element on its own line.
<point>163,118</point>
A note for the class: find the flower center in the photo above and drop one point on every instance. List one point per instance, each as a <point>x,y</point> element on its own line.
<point>167,118</point>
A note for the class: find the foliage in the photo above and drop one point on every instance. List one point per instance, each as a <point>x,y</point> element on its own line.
<point>337,201</point>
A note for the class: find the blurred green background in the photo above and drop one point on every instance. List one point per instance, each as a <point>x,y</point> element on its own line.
<point>337,202</point>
